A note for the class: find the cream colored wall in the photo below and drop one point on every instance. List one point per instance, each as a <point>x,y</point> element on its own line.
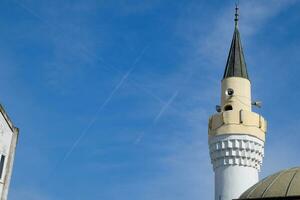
<point>242,93</point>
<point>239,120</point>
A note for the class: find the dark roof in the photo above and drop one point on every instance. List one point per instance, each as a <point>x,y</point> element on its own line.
<point>236,65</point>
<point>282,185</point>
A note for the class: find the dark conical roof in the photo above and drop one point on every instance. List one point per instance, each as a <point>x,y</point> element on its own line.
<point>236,65</point>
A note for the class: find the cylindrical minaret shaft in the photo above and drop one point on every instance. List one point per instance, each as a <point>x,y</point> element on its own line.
<point>236,134</point>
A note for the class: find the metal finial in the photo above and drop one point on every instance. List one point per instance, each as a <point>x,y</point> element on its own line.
<point>236,19</point>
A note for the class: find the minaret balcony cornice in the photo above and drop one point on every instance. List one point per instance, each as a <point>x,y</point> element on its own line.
<point>237,122</point>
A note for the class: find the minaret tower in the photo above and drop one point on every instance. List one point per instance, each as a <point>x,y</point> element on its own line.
<point>236,135</point>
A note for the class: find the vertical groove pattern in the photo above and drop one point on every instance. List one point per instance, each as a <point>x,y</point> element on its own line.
<point>282,185</point>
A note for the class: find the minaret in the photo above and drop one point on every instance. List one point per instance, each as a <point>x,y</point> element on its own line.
<point>236,135</point>
<point>8,141</point>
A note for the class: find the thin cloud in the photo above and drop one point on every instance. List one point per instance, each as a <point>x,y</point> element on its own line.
<point>212,45</point>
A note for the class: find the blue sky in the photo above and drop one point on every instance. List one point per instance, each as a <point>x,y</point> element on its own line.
<point>112,98</point>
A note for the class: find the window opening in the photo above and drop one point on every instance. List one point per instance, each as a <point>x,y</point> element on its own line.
<point>1,165</point>
<point>228,107</point>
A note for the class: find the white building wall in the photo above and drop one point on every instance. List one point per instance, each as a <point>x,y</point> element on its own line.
<point>236,160</point>
<point>8,141</point>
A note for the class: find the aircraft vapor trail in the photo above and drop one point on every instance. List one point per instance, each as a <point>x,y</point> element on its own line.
<point>158,116</point>
<point>107,100</point>
<point>90,54</point>
<point>165,107</point>
<point>115,69</point>
<point>103,105</point>
<point>94,119</point>
<point>29,10</point>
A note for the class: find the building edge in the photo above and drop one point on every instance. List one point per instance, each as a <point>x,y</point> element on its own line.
<point>12,152</point>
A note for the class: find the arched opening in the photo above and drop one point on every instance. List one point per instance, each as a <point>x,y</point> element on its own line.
<point>228,107</point>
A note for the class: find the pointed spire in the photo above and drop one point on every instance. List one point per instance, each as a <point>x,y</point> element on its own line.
<point>236,65</point>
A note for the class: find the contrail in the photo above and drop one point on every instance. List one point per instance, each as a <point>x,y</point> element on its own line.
<point>90,54</point>
<point>103,105</point>
<point>115,69</point>
<point>94,119</point>
<point>165,107</point>
<point>124,78</point>
<point>30,11</point>
<point>158,116</point>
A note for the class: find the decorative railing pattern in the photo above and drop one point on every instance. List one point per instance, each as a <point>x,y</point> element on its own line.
<point>242,150</point>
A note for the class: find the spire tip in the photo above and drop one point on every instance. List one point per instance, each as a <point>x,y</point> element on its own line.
<point>236,19</point>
